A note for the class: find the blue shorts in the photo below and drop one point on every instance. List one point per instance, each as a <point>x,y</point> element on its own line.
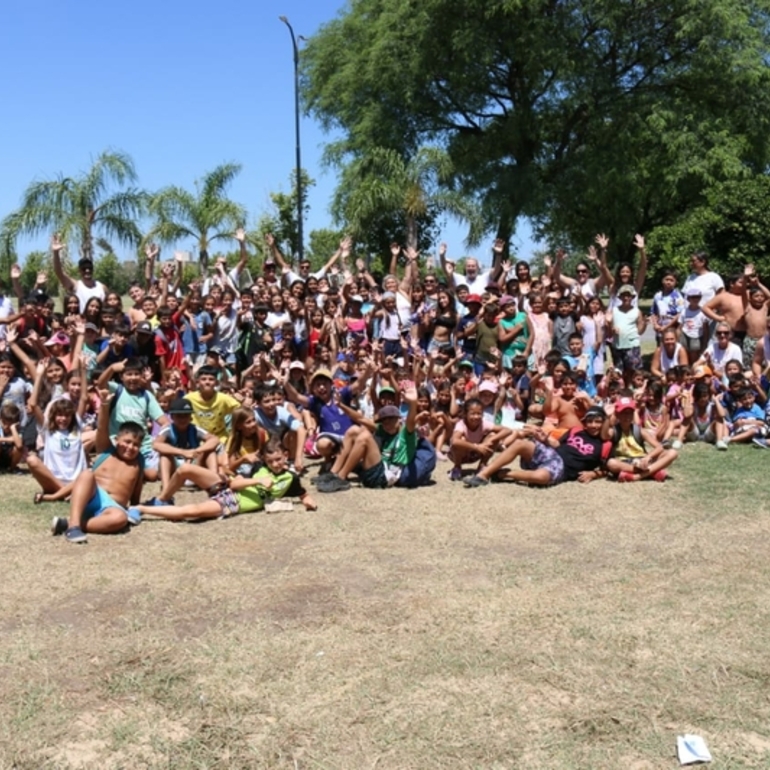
<point>99,503</point>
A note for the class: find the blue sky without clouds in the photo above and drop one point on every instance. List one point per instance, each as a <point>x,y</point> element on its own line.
<point>181,87</point>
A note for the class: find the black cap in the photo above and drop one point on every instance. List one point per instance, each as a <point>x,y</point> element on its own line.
<point>180,406</point>
<point>144,326</point>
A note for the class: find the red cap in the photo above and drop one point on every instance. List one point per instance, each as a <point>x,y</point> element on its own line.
<point>473,298</point>
<point>625,403</point>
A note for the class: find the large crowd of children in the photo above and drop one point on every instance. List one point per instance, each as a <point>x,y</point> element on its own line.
<point>232,383</point>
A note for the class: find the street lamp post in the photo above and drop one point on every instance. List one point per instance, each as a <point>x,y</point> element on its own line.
<point>300,244</point>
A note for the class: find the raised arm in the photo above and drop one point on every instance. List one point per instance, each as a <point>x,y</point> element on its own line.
<point>605,276</point>
<point>497,259</point>
<point>556,275</point>
<point>275,252</point>
<point>641,272</point>
<point>151,251</point>
<point>16,283</point>
<point>56,248</point>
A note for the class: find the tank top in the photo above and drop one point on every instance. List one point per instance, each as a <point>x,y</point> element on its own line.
<point>667,363</point>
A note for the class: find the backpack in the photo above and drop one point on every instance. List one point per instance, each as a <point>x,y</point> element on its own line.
<point>118,393</point>
<point>192,438</point>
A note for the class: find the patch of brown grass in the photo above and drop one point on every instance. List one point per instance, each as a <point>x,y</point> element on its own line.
<point>580,627</point>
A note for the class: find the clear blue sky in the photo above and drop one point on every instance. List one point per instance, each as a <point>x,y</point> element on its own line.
<point>181,87</point>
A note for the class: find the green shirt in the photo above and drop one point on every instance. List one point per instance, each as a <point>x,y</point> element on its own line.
<point>399,449</point>
<point>286,484</point>
<point>139,407</point>
<point>519,342</point>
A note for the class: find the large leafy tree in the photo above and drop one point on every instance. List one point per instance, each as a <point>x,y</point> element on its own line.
<point>619,111</point>
<point>205,216</point>
<point>101,201</point>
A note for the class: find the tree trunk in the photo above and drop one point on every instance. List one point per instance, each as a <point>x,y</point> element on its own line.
<point>204,261</point>
<point>411,232</point>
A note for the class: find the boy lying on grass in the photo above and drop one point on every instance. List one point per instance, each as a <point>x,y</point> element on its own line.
<point>229,496</point>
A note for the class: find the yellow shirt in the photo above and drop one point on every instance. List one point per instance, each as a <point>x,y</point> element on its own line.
<point>629,447</point>
<point>211,415</point>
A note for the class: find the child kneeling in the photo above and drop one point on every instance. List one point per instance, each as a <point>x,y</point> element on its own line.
<point>229,496</point>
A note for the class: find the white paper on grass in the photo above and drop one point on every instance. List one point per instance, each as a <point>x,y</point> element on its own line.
<point>691,749</point>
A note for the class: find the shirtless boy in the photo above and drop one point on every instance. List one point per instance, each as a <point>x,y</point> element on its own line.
<point>101,496</point>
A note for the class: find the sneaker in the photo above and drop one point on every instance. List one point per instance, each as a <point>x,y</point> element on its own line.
<point>721,446</point>
<point>157,502</point>
<point>134,516</point>
<point>661,475</point>
<point>321,477</point>
<point>475,481</point>
<point>760,442</point>
<point>441,456</point>
<point>75,535</point>
<point>455,474</point>
<point>676,445</point>
<point>58,525</point>
<point>334,484</point>
<point>625,477</point>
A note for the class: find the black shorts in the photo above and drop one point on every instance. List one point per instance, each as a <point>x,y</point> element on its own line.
<point>6,451</point>
<point>374,477</point>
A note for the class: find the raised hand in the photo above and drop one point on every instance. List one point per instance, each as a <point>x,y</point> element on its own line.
<point>547,260</point>
<point>240,235</point>
<point>498,246</point>
<point>151,251</point>
<point>56,242</point>
<point>395,249</point>
<point>412,254</point>
<point>346,244</point>
<point>506,266</point>
<point>270,240</point>
<point>639,242</point>
<point>560,255</point>
<point>179,256</point>
<point>41,279</point>
<point>11,334</point>
<point>592,254</point>
<point>602,241</point>
<point>15,271</point>
<point>360,265</point>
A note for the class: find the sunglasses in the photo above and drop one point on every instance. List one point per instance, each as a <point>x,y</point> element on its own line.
<point>723,334</point>
<point>582,271</point>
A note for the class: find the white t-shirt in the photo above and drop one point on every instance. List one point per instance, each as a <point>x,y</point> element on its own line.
<point>709,284</point>
<point>477,286</point>
<point>63,451</point>
<point>84,293</point>
<point>718,358</point>
<point>692,323</point>
<point>6,310</point>
<point>291,277</point>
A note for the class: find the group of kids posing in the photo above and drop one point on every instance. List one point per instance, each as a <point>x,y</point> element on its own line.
<point>230,388</point>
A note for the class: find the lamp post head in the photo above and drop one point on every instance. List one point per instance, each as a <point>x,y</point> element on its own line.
<point>283,19</point>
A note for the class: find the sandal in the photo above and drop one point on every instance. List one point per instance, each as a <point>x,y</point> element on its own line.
<point>38,498</point>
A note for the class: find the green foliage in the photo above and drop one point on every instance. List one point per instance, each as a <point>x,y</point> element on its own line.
<point>112,273</point>
<point>584,116</point>
<point>281,219</point>
<point>204,217</point>
<point>82,207</point>
<point>732,226</point>
<point>36,262</point>
<point>322,244</point>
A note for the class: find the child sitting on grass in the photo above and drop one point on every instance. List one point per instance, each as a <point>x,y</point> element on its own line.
<point>631,461</point>
<point>230,496</point>
<point>101,496</point>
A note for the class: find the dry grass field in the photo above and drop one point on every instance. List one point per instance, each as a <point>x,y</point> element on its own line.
<point>504,627</point>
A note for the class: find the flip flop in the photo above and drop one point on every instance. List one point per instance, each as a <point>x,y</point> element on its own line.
<point>38,498</point>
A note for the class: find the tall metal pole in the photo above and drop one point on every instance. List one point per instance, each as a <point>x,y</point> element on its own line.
<point>300,244</point>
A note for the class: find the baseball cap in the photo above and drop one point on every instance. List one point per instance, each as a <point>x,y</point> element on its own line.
<point>471,298</point>
<point>297,365</point>
<point>180,406</point>
<point>506,299</point>
<point>386,389</point>
<point>693,292</point>
<point>488,387</point>
<point>388,295</point>
<point>702,371</point>
<point>89,327</point>
<point>144,326</point>
<point>623,403</point>
<point>356,298</point>
<point>626,289</point>
<point>388,411</point>
<point>321,373</point>
<point>466,362</point>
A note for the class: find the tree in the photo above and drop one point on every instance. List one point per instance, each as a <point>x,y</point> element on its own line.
<point>549,106</point>
<point>732,226</point>
<point>383,183</point>
<point>281,220</point>
<point>204,216</point>
<point>82,207</point>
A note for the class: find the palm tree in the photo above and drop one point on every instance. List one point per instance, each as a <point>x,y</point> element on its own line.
<point>383,181</point>
<point>80,208</point>
<point>205,216</point>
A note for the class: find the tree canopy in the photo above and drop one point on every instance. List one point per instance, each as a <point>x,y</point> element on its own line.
<point>580,115</point>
